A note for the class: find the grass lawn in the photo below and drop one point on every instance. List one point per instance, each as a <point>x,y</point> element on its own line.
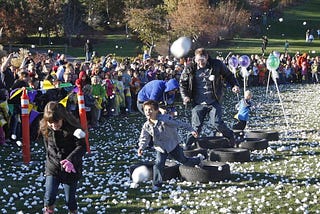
<point>281,179</point>
<point>291,29</point>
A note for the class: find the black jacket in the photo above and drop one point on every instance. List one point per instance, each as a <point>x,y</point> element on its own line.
<point>62,145</point>
<point>219,71</point>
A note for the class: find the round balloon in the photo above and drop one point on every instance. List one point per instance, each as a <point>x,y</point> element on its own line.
<point>273,62</point>
<point>233,62</point>
<point>276,54</point>
<point>181,47</point>
<point>244,61</point>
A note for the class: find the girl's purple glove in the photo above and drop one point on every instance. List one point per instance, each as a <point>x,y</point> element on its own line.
<point>68,166</point>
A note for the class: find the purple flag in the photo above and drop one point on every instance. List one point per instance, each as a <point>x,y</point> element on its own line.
<point>33,115</point>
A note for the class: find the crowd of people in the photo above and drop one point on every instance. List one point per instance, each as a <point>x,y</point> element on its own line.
<point>294,68</point>
<point>111,86</point>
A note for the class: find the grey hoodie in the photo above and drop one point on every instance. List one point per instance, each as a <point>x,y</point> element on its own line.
<point>164,133</point>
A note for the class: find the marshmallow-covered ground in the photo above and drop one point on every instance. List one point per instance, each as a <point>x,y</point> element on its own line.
<point>281,179</point>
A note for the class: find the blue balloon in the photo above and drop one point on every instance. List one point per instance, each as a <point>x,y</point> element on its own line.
<point>233,61</point>
<point>244,61</point>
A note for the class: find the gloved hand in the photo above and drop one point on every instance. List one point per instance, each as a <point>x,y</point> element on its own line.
<point>68,166</point>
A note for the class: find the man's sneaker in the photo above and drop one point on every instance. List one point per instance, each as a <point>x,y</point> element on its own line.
<point>237,143</point>
<point>201,158</point>
<point>231,143</point>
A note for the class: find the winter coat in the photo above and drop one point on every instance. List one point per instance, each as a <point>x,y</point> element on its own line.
<point>244,107</point>
<point>218,71</point>
<point>79,82</point>
<point>156,89</point>
<point>164,133</point>
<point>62,145</point>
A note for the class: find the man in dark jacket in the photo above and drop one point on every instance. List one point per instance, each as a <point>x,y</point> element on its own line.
<point>202,84</point>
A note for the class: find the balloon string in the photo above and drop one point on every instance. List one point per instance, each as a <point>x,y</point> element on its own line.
<point>268,83</point>
<point>244,75</point>
<point>284,113</point>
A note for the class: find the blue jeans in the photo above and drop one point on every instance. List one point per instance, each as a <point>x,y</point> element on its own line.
<point>88,56</point>
<point>161,158</point>
<point>15,124</point>
<point>52,186</point>
<point>199,112</point>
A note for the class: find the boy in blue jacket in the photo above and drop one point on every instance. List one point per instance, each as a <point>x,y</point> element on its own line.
<point>244,107</point>
<point>162,128</point>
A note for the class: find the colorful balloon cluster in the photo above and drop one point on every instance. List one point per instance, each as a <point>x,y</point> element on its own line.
<point>243,62</point>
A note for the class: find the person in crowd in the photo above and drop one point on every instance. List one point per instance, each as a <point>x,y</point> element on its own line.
<point>315,69</point>
<point>7,75</point>
<point>88,49</point>
<point>162,129</point>
<point>202,84</point>
<point>159,90</point>
<point>264,44</point>
<point>286,46</point>
<point>15,123</point>
<point>126,79</point>
<point>288,73</point>
<point>4,116</point>
<point>108,85</point>
<point>135,88</point>
<point>82,80</point>
<point>118,93</point>
<point>307,35</point>
<point>64,142</point>
<point>303,64</point>
<point>99,93</point>
<point>244,106</point>
<point>90,107</point>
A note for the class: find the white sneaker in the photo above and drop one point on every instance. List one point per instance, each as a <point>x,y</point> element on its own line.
<point>13,137</point>
<point>201,156</point>
<point>134,185</point>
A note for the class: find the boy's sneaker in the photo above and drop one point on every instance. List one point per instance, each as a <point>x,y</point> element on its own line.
<point>134,185</point>
<point>155,188</point>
